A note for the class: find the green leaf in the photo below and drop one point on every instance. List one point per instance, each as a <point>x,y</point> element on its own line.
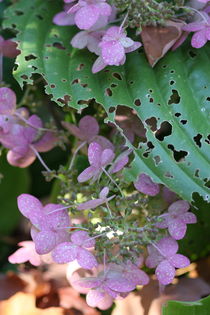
<point>176,93</point>
<point>14,182</point>
<point>201,307</point>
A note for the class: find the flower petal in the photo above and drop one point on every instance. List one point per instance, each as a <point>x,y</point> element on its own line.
<point>28,204</point>
<point>165,272</point>
<point>86,259</point>
<point>7,101</point>
<point>81,238</point>
<point>179,207</point>
<point>188,218</point>
<point>112,52</point>
<point>87,174</point>
<point>44,241</point>
<point>64,253</point>
<point>89,126</point>
<point>87,16</point>
<point>168,246</point>
<point>177,229</point>
<point>199,39</point>
<point>179,261</point>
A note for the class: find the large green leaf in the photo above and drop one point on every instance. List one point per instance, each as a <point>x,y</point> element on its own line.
<point>201,307</point>
<point>177,91</point>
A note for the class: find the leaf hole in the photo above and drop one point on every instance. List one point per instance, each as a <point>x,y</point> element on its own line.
<point>197,139</point>
<point>179,156</point>
<point>152,123</point>
<point>151,100</point>
<point>111,109</point>
<point>80,67</point>
<point>59,46</point>
<point>131,82</point>
<point>177,114</point>
<point>30,57</point>
<point>183,121</point>
<point>117,76</point>
<point>18,12</point>
<point>137,102</point>
<point>52,86</point>
<point>197,173</point>
<point>108,92</point>
<point>24,77</point>
<point>168,175</point>
<point>192,54</point>
<point>157,159</point>
<point>113,85</point>
<point>164,131</point>
<point>171,82</point>
<point>172,71</point>
<point>208,99</point>
<point>174,98</point>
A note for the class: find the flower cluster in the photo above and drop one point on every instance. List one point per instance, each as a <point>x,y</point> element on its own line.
<point>95,19</point>
<point>111,250</point>
<point>21,133</point>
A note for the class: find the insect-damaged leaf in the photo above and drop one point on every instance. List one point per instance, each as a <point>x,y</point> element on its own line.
<point>176,94</point>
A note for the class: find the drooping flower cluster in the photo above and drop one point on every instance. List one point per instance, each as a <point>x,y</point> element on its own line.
<point>20,133</point>
<point>109,253</point>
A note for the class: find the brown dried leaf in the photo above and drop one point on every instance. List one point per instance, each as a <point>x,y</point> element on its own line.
<point>158,40</point>
<point>10,284</point>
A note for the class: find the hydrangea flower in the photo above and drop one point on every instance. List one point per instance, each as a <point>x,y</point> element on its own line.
<point>64,18</point>
<point>98,159</point>
<point>47,225</point>
<point>177,218</point>
<point>8,48</point>
<point>201,29</point>
<point>145,185</point>
<point>163,255</point>
<point>92,204</point>
<point>120,162</point>
<point>87,131</point>
<point>88,12</point>
<point>26,253</point>
<point>76,249</point>
<point>114,45</point>
<point>107,286</point>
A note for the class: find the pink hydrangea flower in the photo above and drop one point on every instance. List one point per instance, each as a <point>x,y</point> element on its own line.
<point>77,249</point>
<point>87,131</point>
<point>177,218</point>
<point>8,48</point>
<point>114,45</point>
<point>107,286</point>
<point>92,204</point>
<point>120,162</point>
<point>163,255</point>
<point>64,18</point>
<point>145,185</point>
<point>88,12</point>
<point>98,159</point>
<point>47,225</point>
<point>201,29</point>
<point>26,253</point>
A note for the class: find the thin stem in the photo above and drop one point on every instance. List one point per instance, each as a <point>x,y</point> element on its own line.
<point>123,22</point>
<point>40,158</point>
<point>31,125</point>
<point>198,12</point>
<point>59,209</point>
<point>92,238</point>
<point>112,180</point>
<point>75,153</point>
<point>71,227</point>
<point>110,212</point>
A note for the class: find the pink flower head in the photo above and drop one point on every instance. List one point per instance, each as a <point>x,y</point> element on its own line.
<point>47,224</point>
<point>114,45</point>
<point>145,185</point>
<point>177,218</point>
<point>201,29</point>
<point>88,12</point>
<point>26,253</point>
<point>107,286</point>
<point>98,159</point>
<point>92,204</point>
<point>162,255</point>
<point>76,250</point>
<point>87,131</point>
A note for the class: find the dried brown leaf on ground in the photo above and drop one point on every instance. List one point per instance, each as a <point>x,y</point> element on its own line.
<point>158,40</point>
<point>148,301</point>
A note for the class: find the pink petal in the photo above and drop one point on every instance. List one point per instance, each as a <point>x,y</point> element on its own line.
<point>179,261</point>
<point>179,207</point>
<point>94,296</point>
<point>207,33</point>
<point>28,204</point>
<point>104,192</point>
<point>188,218</point>
<point>193,27</point>
<point>87,16</point>
<point>119,164</point>
<point>90,282</point>
<point>26,253</point>
<point>136,45</point>
<point>145,185</point>
<point>98,65</point>
<point>90,204</point>
<point>105,303</point>
<point>177,229</point>
<point>73,130</point>
<point>107,157</point>
<point>120,285</point>
<point>94,154</point>
<point>63,18</point>
<point>87,174</point>
<point>104,142</point>
<point>154,257</point>
<point>199,39</point>
<point>86,259</point>
<point>112,52</point>
<point>64,253</point>
<point>105,8</point>
<point>7,101</point>
<point>46,143</point>
<point>80,40</point>
<point>18,160</point>
<point>89,126</point>
<point>81,238</point>
<point>165,272</point>
<point>9,49</point>
<point>44,241</point>
<point>168,246</point>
